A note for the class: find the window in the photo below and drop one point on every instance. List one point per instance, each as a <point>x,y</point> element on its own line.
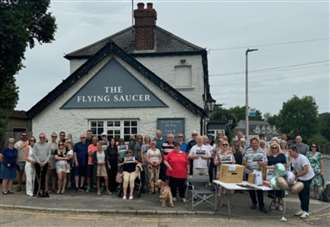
<point>183,76</point>
<point>114,128</point>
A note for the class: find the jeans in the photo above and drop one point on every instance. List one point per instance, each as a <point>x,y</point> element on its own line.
<point>178,184</point>
<point>304,195</point>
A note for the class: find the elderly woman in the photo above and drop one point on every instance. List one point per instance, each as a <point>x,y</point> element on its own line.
<point>129,173</point>
<point>178,165</point>
<point>274,157</point>
<point>9,157</point>
<point>314,158</point>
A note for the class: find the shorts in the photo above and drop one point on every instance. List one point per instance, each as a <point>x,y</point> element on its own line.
<point>81,170</point>
<point>21,166</point>
<point>62,166</point>
<point>101,171</point>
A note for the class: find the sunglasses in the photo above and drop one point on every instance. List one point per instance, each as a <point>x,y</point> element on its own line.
<point>274,147</point>
<point>225,144</point>
<point>32,141</point>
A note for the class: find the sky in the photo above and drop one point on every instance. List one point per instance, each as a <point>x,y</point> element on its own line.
<point>292,38</point>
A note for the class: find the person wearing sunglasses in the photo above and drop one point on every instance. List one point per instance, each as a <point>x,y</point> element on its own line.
<point>62,157</point>
<point>129,173</point>
<point>314,158</point>
<point>29,168</point>
<point>41,154</point>
<point>274,157</point>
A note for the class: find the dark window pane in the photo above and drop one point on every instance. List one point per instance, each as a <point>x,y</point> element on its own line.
<point>99,131</point>
<point>134,130</point>
<point>94,130</point>
<point>117,132</point>
<point>117,123</point>
<point>93,124</point>
<point>126,138</point>
<point>110,123</point>
<point>100,124</point>
<point>134,123</point>
<point>126,131</point>
<point>126,123</point>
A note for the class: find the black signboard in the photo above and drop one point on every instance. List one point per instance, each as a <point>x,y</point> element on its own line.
<point>171,125</point>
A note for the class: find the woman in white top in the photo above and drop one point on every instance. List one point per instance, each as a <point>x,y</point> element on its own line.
<point>62,156</point>
<point>29,167</point>
<point>100,160</point>
<point>154,158</point>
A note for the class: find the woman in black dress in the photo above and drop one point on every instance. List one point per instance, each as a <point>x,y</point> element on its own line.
<point>112,161</point>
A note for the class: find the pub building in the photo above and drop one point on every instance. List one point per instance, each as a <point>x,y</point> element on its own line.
<point>134,81</point>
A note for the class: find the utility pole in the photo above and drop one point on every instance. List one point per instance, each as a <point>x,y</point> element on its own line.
<point>247,92</point>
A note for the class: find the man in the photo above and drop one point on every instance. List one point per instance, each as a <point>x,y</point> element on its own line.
<point>159,139</point>
<point>301,147</point>
<point>52,162</point>
<point>80,154</point>
<point>20,146</point>
<point>304,173</point>
<point>191,143</point>
<point>89,136</point>
<point>41,154</point>
<point>62,137</point>
<point>166,148</point>
<point>183,145</point>
<point>254,158</point>
<point>200,155</point>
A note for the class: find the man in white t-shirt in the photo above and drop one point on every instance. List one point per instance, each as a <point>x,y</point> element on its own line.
<point>304,173</point>
<point>200,154</point>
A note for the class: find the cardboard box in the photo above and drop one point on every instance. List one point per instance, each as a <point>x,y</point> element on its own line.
<point>231,173</point>
<point>251,178</point>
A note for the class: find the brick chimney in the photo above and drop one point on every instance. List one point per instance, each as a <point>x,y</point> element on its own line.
<point>145,21</point>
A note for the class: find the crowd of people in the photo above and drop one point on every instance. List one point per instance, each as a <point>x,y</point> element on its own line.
<point>96,164</point>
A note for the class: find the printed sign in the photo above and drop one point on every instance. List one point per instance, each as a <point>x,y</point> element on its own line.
<point>113,87</point>
<point>171,125</point>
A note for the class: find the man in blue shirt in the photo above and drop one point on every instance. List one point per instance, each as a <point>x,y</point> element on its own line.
<point>183,145</point>
<point>80,157</point>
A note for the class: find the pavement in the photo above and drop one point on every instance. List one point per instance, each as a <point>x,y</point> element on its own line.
<point>148,204</point>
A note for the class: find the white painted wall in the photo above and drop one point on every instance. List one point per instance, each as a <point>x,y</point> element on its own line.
<point>75,121</point>
<point>164,67</point>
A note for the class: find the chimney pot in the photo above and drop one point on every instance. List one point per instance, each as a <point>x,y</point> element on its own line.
<point>149,5</point>
<point>140,5</point>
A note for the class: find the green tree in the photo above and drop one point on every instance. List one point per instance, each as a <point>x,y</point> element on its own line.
<point>298,116</point>
<point>22,23</point>
<point>324,121</point>
<point>239,113</point>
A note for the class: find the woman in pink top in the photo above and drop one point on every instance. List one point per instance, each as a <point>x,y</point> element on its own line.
<point>92,148</point>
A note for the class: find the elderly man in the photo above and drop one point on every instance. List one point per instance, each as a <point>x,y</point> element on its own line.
<point>200,154</point>
<point>80,155</point>
<point>20,146</point>
<point>41,154</point>
<point>254,158</point>
<point>159,139</point>
<point>301,147</point>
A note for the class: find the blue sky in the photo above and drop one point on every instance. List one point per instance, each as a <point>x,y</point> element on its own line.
<point>226,28</point>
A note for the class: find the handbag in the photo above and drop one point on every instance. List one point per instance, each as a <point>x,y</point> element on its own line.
<point>119,178</point>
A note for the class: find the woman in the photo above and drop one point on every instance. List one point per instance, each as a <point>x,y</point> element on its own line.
<point>100,159</point>
<point>9,157</point>
<point>154,158</point>
<point>29,167</point>
<point>62,157</point>
<point>314,158</point>
<point>224,155</point>
<point>112,164</point>
<point>178,166</point>
<point>129,173</point>
<point>274,157</point>
<point>92,148</point>
<point>145,174</point>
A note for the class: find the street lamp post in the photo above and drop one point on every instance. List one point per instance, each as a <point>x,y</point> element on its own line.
<point>247,92</point>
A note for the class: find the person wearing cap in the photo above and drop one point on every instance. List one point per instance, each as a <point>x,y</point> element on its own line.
<point>80,150</point>
<point>52,162</point>
<point>9,156</point>
<point>154,158</point>
<point>41,154</point>
<point>20,145</point>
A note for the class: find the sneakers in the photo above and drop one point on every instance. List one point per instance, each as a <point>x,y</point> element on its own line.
<point>299,213</point>
<point>98,193</point>
<point>124,197</point>
<point>184,200</point>
<point>304,215</point>
<point>174,199</point>
<point>130,197</point>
